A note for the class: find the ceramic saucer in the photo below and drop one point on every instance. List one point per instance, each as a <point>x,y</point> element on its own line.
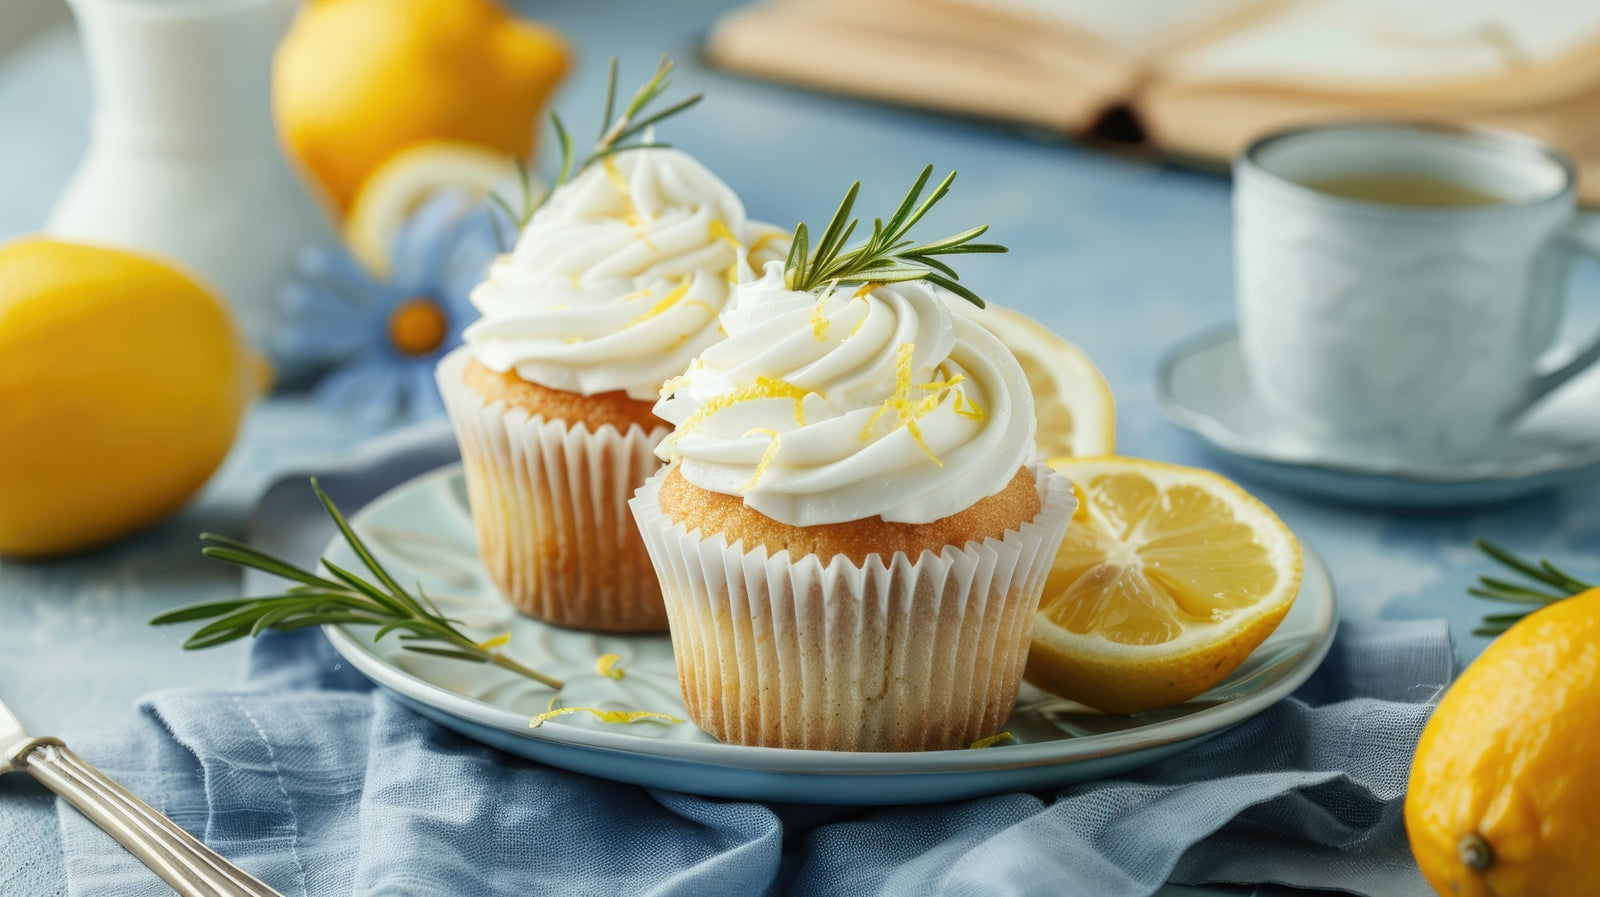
<point>1201,387</point>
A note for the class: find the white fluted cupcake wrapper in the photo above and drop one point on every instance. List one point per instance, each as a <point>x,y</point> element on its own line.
<point>550,505</point>
<point>900,655</point>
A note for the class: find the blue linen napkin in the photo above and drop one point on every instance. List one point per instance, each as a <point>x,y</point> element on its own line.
<point>321,785</point>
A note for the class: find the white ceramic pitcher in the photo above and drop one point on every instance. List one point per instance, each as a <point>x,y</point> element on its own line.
<point>184,160</point>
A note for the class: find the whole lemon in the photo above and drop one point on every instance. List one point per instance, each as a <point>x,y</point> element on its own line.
<point>1505,788</point>
<point>122,383</point>
<point>356,81</point>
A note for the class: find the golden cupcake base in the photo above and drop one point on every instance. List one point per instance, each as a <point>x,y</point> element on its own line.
<point>902,654</point>
<point>550,498</point>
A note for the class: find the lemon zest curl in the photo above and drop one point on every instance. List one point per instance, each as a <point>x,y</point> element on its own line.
<point>620,717</point>
<point>606,665</point>
<point>991,740</point>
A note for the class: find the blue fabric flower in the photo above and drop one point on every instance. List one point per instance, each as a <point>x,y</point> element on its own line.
<point>380,339</point>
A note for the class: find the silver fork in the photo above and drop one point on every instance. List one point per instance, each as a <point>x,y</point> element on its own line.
<point>190,867</point>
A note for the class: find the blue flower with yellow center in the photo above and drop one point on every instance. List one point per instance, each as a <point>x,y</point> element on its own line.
<point>380,338</point>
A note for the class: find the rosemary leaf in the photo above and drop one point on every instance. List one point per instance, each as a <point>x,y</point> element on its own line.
<point>454,653</point>
<point>201,611</point>
<point>1544,574</point>
<point>614,132</point>
<point>1523,597</point>
<point>346,600</point>
<point>887,255</point>
<point>1519,565</point>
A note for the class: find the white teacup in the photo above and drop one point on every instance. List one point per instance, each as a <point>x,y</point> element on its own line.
<point>1389,328</point>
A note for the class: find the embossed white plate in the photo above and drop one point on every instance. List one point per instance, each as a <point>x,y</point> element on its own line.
<point>1201,387</point>
<point>422,530</point>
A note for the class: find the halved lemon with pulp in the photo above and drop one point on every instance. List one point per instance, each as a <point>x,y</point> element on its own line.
<point>1168,578</point>
<point>408,178</point>
<point>1077,415</point>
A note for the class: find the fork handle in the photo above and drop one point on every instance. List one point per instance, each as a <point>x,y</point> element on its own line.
<point>190,867</point>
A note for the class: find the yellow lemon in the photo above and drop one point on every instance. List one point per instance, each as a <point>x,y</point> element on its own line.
<point>1077,415</point>
<point>122,383</point>
<point>1504,799</point>
<point>1168,578</point>
<point>356,81</point>
<point>403,183</point>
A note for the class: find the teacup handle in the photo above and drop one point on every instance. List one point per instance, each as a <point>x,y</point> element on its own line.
<point>1578,239</point>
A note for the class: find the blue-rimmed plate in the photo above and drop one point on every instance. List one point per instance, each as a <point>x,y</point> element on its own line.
<point>422,530</point>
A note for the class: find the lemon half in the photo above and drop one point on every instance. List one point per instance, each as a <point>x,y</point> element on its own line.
<point>1077,415</point>
<point>403,183</point>
<point>1168,578</point>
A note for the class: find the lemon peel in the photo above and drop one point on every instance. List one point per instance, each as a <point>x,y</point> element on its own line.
<point>499,641</point>
<point>620,184</point>
<point>673,384</point>
<point>619,717</point>
<point>907,411</point>
<point>766,456</point>
<point>716,230</point>
<point>991,740</point>
<point>763,388</point>
<point>606,665</point>
<point>819,318</point>
<point>668,301</point>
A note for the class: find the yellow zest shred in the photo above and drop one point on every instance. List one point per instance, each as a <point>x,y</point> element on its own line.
<point>622,717</point>
<point>991,740</point>
<point>607,666</point>
<point>763,388</point>
<point>971,411</point>
<point>762,241</point>
<point>620,184</point>
<point>819,318</point>
<point>672,298</point>
<point>719,231</point>
<point>499,641</point>
<point>905,409</point>
<point>766,456</point>
<point>573,340</point>
<point>943,384</point>
<point>673,384</point>
<point>865,289</point>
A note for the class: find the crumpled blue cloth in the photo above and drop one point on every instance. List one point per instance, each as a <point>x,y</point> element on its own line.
<point>321,785</point>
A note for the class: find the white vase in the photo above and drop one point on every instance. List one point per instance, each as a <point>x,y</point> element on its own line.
<point>184,159</point>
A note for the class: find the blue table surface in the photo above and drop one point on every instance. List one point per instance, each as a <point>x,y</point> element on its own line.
<point>1122,257</point>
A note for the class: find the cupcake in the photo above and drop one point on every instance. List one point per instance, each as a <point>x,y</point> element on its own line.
<point>612,287</point>
<point>853,532</point>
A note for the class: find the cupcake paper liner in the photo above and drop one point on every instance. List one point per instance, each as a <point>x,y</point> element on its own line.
<point>895,655</point>
<point>550,505</point>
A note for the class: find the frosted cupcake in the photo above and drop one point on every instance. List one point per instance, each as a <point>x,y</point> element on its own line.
<point>853,533</point>
<point>612,287</point>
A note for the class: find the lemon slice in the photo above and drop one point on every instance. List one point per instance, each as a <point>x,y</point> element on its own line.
<point>1168,578</point>
<point>400,185</point>
<point>1077,415</point>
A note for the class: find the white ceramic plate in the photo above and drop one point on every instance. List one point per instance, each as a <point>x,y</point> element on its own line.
<point>422,530</point>
<point>1201,387</point>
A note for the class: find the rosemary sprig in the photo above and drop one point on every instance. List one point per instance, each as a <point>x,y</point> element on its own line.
<point>1545,584</point>
<point>345,599</point>
<point>887,256</point>
<point>614,134</point>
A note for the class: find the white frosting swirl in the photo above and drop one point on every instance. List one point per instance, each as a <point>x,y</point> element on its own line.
<point>617,282</point>
<point>857,404</point>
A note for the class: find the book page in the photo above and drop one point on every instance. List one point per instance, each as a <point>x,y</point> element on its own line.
<point>1355,45</point>
<point>1134,26</point>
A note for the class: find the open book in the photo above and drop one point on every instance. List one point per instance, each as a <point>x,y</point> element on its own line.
<point>1199,78</point>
